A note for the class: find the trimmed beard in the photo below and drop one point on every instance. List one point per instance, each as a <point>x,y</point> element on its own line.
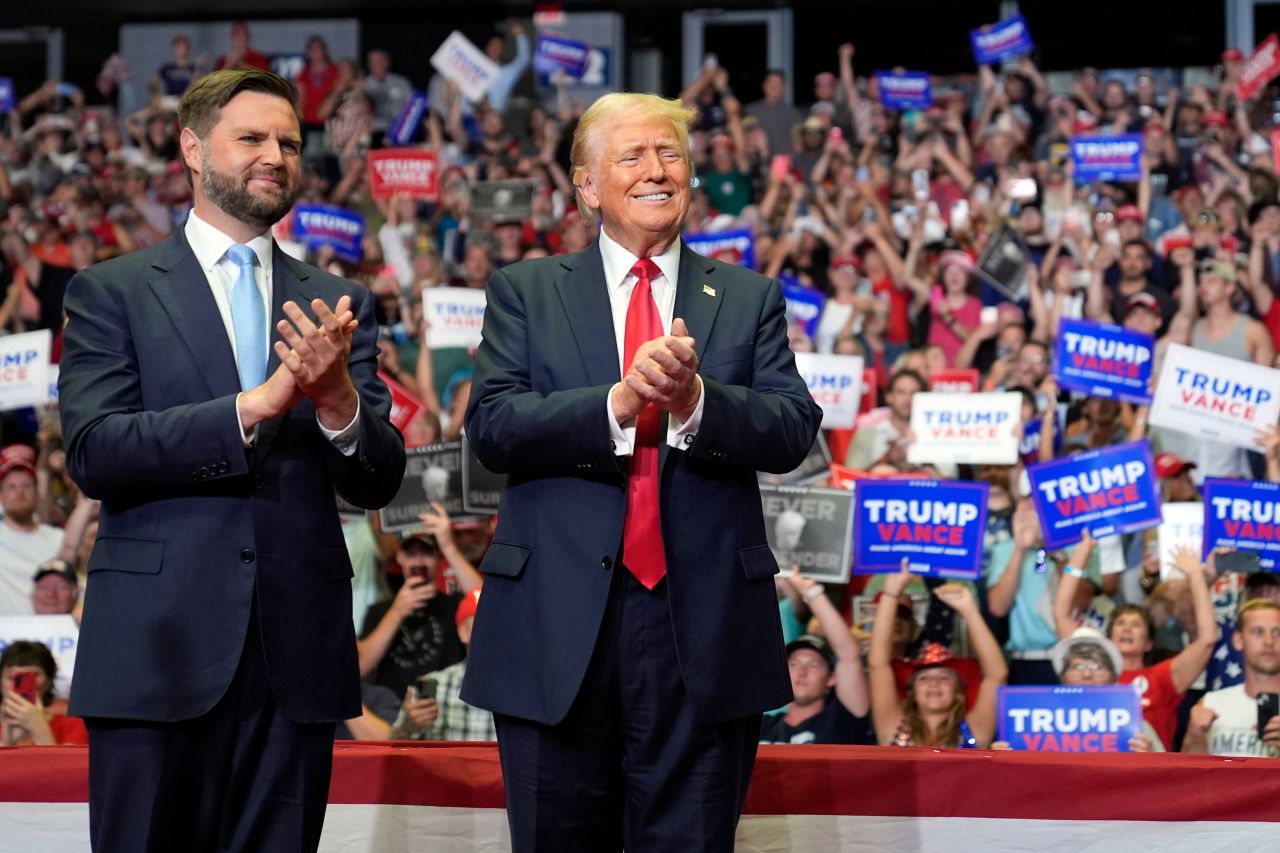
<point>234,198</point>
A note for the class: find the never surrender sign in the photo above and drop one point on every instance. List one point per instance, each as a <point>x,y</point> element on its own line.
<point>835,382</point>
<point>1107,158</point>
<point>809,527</point>
<point>937,525</point>
<point>965,428</point>
<point>408,171</point>
<point>905,90</point>
<point>1216,397</point>
<point>1098,718</point>
<point>1103,360</point>
<point>995,42</point>
<point>1244,515</point>
<point>1107,491</point>
<point>431,474</point>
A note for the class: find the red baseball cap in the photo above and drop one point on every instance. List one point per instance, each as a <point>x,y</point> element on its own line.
<point>1216,118</point>
<point>1171,465</point>
<point>846,261</point>
<point>955,257</point>
<point>1128,213</point>
<point>17,457</point>
<point>1142,300</point>
<point>1232,54</point>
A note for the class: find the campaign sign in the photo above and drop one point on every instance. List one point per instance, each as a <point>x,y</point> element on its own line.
<point>455,316</point>
<point>814,466</point>
<point>502,201</point>
<point>809,526</point>
<point>59,633</point>
<point>553,52</point>
<point>995,42</point>
<point>835,382</point>
<point>1182,525</point>
<point>905,90</point>
<point>317,225</point>
<point>954,380</point>
<point>406,122</point>
<point>965,428</point>
<point>1259,68</point>
<point>481,488</point>
<point>407,171</point>
<point>405,407</point>
<point>431,473</point>
<point>1244,515</point>
<point>24,369</point>
<point>1003,263</point>
<point>1106,491</point>
<point>732,247</point>
<point>1103,360</point>
<point>1214,396</point>
<point>465,64</point>
<point>1097,718</point>
<point>938,525</point>
<point>1107,158</point>
<point>804,304</point>
<point>7,101</point>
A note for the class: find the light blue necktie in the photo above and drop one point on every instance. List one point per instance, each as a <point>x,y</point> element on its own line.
<point>248,318</point>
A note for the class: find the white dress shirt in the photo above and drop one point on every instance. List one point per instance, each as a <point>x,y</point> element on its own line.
<point>617,274</point>
<point>210,245</point>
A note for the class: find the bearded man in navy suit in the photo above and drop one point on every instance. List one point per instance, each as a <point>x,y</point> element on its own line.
<point>217,648</point>
<point>628,639</point>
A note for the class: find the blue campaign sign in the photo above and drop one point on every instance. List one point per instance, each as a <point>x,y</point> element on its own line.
<point>552,52</point>
<point>905,90</point>
<point>733,247</point>
<point>1098,718</point>
<point>1107,491</point>
<point>994,42</point>
<point>1244,515</point>
<point>1029,446</point>
<point>7,101</point>
<point>402,128</point>
<point>938,525</point>
<point>1107,158</point>
<point>1103,360</point>
<point>326,225</point>
<point>804,304</point>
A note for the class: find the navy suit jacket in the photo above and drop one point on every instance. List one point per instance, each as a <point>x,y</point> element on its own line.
<point>537,413</point>
<point>192,522</point>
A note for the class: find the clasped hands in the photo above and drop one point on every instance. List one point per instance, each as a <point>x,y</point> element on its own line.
<point>664,372</point>
<point>313,363</point>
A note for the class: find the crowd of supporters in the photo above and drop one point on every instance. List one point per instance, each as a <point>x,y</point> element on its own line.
<point>884,214</point>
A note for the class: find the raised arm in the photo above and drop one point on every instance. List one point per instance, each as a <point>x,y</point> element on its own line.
<point>1191,661</point>
<point>886,708</point>
<point>1063,622</point>
<point>995,672</point>
<point>851,681</point>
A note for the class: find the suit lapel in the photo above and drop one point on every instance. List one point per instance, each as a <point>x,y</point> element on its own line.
<point>698,306</point>
<point>287,278</point>
<point>585,296</point>
<point>183,292</point>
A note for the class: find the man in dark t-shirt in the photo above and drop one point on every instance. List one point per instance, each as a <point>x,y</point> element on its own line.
<point>817,715</point>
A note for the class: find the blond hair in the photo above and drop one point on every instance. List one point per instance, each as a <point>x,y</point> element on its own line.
<point>615,107</point>
<point>1252,605</point>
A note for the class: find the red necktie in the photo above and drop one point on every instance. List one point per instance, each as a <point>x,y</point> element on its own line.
<point>642,551</point>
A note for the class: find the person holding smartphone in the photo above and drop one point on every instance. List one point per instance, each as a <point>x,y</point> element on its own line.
<point>27,673</point>
<point>1240,720</point>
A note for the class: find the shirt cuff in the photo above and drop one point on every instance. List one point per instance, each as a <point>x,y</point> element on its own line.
<point>620,437</point>
<point>246,436</point>
<point>347,439</point>
<point>681,435</point>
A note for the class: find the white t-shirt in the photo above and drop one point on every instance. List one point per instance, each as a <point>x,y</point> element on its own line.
<point>1235,731</point>
<point>20,553</point>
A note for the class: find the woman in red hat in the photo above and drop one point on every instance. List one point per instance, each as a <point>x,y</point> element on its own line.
<point>935,712</point>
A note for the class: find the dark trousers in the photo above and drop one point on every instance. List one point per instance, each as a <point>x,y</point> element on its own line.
<point>243,777</point>
<point>631,766</point>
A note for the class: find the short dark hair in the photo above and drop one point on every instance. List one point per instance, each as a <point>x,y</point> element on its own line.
<point>906,373</point>
<point>1140,243</point>
<point>202,104</point>
<point>29,653</point>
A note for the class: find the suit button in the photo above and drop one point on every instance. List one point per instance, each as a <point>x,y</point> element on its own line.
<point>246,555</point>
<point>606,563</point>
<point>688,440</point>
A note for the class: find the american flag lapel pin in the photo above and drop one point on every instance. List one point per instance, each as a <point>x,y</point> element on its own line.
<point>709,290</point>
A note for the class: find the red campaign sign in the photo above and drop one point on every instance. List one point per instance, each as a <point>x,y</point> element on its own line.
<point>954,380</point>
<point>1261,67</point>
<point>411,171</point>
<point>1275,149</point>
<point>404,408</point>
<point>868,400</point>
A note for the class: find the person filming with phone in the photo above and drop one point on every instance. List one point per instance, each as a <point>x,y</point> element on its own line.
<point>1242,719</point>
<point>27,673</point>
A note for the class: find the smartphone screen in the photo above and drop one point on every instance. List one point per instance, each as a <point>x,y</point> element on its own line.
<point>1268,707</point>
<point>989,315</point>
<point>426,689</point>
<point>1240,562</point>
<point>26,684</point>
